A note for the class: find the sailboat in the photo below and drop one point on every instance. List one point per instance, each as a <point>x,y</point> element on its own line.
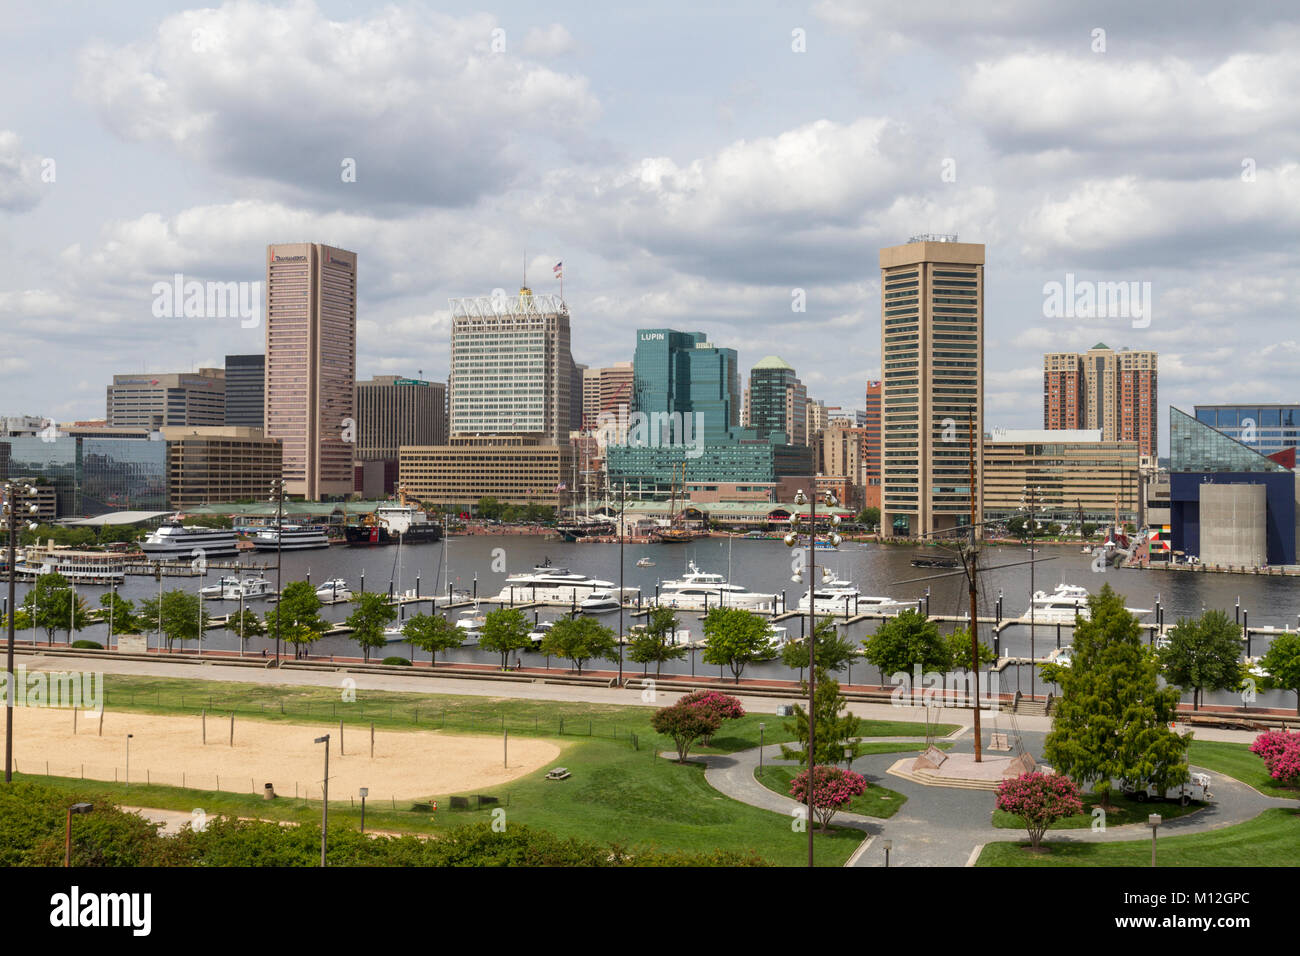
<point>676,531</point>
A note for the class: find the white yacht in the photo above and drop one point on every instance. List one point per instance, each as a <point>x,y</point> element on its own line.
<point>599,602</point>
<point>290,537</point>
<point>232,588</point>
<point>173,539</point>
<point>552,584</point>
<point>538,635</point>
<point>837,596</point>
<point>335,589</point>
<point>1061,605</point>
<point>697,589</point>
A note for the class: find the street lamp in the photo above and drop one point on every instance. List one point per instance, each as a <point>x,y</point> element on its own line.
<point>1029,500</point>
<point>325,796</point>
<point>67,833</point>
<point>365,792</point>
<point>1153,822</point>
<point>889,845</point>
<point>277,495</point>
<point>791,539</point>
<point>761,727</point>
<point>622,507</point>
<point>127,781</point>
<point>14,496</point>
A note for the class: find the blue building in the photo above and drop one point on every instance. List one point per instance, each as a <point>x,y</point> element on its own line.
<point>1267,429</point>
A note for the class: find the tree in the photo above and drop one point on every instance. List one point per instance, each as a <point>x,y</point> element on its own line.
<point>655,642</point>
<point>1282,664</point>
<point>432,633</point>
<point>371,615</point>
<point>1203,654</point>
<point>833,788</point>
<point>1281,754</point>
<point>51,605</point>
<point>489,509</point>
<point>1039,800</point>
<point>504,630</point>
<point>120,613</point>
<point>959,647</point>
<point>580,639</point>
<point>299,614</point>
<point>722,706</point>
<point>734,637</point>
<point>869,517</point>
<point>1112,721</point>
<point>905,642</point>
<point>833,651</point>
<point>176,616</point>
<point>684,725</point>
<point>1017,526</point>
<point>836,727</point>
<point>245,624</point>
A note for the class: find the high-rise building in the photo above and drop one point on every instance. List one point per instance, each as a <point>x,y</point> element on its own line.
<point>393,411</point>
<point>816,420</point>
<point>932,349</point>
<point>777,401</point>
<point>246,391</point>
<point>206,465</point>
<point>1103,389</point>
<point>604,390</point>
<point>311,359</point>
<point>1071,470</point>
<point>511,369</point>
<point>151,400</point>
<point>871,448</point>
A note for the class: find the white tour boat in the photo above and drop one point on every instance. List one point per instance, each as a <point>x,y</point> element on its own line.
<point>175,540</point>
<point>290,537</point>
<point>79,567</point>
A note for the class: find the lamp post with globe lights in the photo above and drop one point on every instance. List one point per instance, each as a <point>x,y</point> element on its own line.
<point>19,505</point>
<point>791,540</point>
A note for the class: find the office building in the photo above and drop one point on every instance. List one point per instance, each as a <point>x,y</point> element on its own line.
<point>1071,471</point>
<point>1268,429</point>
<point>605,390</point>
<point>777,401</point>
<point>815,420</point>
<point>1103,389</point>
<point>152,400</point>
<point>230,463</point>
<point>311,349</point>
<point>246,391</point>
<point>514,470</point>
<point>932,393</point>
<point>511,369</point>
<point>393,411</point>
<point>93,475</point>
<point>871,448</point>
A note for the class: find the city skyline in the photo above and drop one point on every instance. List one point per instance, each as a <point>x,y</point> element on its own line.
<point>710,198</point>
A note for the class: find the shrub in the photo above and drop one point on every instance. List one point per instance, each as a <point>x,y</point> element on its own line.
<point>1039,799</point>
<point>397,661</point>
<point>722,706</point>
<point>833,789</point>
<point>1281,754</point>
<point>89,645</point>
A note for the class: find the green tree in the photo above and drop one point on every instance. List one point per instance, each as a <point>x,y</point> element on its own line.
<point>685,725</point>
<point>734,637</point>
<point>176,616</point>
<point>580,639</point>
<point>836,727</point>
<point>120,613</point>
<point>432,633</point>
<point>834,652</point>
<point>654,643</point>
<point>299,617</point>
<point>51,605</point>
<point>959,647</point>
<point>869,517</point>
<point>490,509</point>
<point>245,624</point>
<point>1282,664</point>
<point>905,642</point>
<point>371,615</point>
<point>1112,721</point>
<point>504,630</point>
<point>1203,654</point>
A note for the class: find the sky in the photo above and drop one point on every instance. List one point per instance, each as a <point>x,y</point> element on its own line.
<point>700,166</point>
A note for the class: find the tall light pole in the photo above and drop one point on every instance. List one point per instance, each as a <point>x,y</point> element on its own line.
<point>325,796</point>
<point>67,833</point>
<point>127,781</point>
<point>277,495</point>
<point>1029,500</point>
<point>791,539</point>
<point>14,495</point>
<point>622,507</point>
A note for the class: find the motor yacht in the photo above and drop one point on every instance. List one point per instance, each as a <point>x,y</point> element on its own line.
<point>700,590</point>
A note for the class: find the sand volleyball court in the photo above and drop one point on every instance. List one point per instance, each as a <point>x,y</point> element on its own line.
<point>170,750</point>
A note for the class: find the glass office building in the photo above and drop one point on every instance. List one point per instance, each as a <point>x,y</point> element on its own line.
<point>92,476</point>
<point>1267,429</point>
<point>1193,447</point>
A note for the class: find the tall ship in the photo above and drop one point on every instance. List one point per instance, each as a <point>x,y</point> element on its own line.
<point>388,522</point>
<point>552,584</point>
<point>173,539</point>
<point>696,590</point>
<point>290,537</point>
<point>586,526</point>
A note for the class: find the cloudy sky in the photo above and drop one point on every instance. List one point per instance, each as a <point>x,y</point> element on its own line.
<point>692,167</point>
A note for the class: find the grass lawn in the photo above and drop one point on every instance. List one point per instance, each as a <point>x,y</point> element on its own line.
<point>1236,760</point>
<point>1123,810</point>
<point>1268,840</point>
<point>875,801</point>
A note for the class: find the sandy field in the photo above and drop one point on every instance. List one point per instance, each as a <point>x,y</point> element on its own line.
<point>170,750</point>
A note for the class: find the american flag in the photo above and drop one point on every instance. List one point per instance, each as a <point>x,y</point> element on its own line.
<point>559,270</point>
<point>561,486</point>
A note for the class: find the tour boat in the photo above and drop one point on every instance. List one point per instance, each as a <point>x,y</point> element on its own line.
<point>173,539</point>
<point>80,567</point>
<point>699,590</point>
<point>290,537</point>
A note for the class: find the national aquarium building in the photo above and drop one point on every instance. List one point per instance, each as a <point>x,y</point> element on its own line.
<point>683,421</point>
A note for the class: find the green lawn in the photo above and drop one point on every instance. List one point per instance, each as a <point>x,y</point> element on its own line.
<point>875,801</point>
<point>1236,760</point>
<point>1268,840</point>
<point>1123,810</point>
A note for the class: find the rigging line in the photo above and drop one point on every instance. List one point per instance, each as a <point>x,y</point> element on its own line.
<point>965,573</point>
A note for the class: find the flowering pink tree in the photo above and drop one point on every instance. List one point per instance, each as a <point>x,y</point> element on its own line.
<point>833,789</point>
<point>1039,799</point>
<point>684,725</point>
<point>1281,753</point>
<point>721,706</point>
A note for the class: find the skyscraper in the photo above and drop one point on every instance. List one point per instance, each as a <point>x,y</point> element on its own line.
<point>246,391</point>
<point>394,411</point>
<point>152,400</point>
<point>932,396</point>
<point>777,401</point>
<point>871,449</point>
<point>1103,389</point>
<point>311,349</point>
